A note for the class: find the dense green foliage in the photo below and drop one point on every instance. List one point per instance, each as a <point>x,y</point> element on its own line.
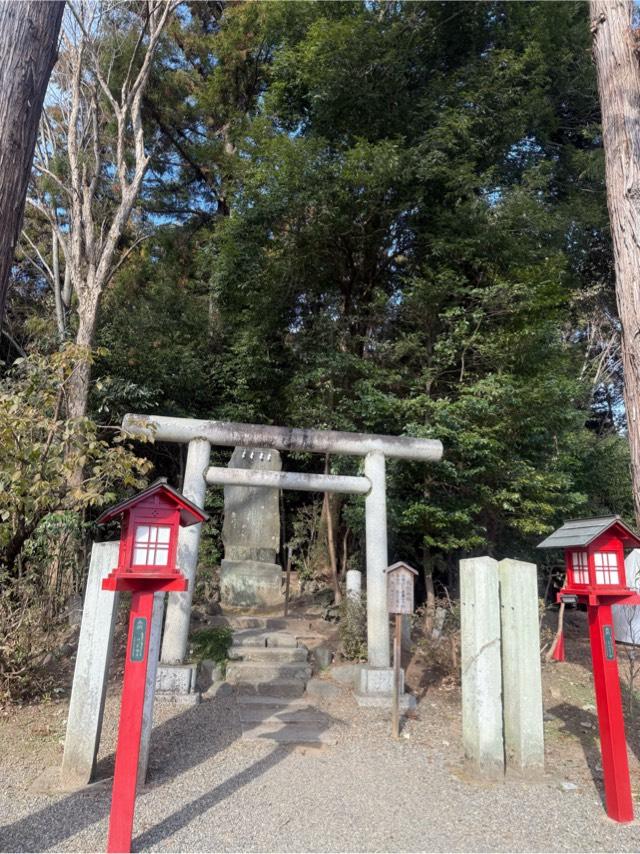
<point>384,217</point>
<point>212,643</point>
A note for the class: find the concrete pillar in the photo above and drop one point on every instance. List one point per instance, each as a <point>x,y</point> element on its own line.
<point>481,665</point>
<point>377,561</point>
<point>354,584</point>
<point>176,629</point>
<point>84,721</point>
<point>150,686</point>
<point>521,670</point>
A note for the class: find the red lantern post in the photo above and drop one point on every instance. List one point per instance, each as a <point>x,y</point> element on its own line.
<point>146,564</point>
<point>594,560</point>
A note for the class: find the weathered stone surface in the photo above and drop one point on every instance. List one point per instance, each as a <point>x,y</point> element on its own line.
<point>92,665</point>
<point>274,688</point>
<point>354,583</point>
<point>218,689</point>
<point>322,655</point>
<point>251,529</point>
<point>521,669</point>
<point>208,673</point>
<point>406,702</point>
<point>322,688</point>
<point>250,583</point>
<point>155,636</point>
<point>168,699</point>
<point>378,680</point>
<point>346,674</point>
<point>481,665</point>
<point>176,628</point>
<point>176,678</point>
<point>257,671</point>
<point>284,654</point>
<point>250,576</point>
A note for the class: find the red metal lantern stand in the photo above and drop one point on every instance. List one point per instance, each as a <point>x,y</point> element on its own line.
<point>596,577</point>
<point>613,744</point>
<point>150,523</point>
<point>125,777</point>
<point>606,679</point>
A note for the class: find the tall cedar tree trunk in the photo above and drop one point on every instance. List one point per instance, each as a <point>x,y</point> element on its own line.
<point>615,49</point>
<point>28,51</point>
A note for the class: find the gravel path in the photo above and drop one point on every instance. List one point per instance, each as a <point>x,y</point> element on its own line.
<point>209,791</point>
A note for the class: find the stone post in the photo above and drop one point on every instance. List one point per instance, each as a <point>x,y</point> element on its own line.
<point>481,666</point>
<point>354,584</point>
<point>377,561</point>
<point>176,629</point>
<point>84,721</point>
<point>250,576</point>
<point>150,687</point>
<point>521,669</point>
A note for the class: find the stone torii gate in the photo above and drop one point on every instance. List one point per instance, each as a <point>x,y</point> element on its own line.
<point>199,435</point>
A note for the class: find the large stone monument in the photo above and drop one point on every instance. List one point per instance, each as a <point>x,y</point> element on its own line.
<point>250,576</point>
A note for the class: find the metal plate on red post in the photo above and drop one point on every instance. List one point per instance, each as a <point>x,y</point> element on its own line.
<point>609,648</point>
<point>138,636</point>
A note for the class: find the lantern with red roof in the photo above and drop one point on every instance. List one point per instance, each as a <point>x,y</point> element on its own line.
<point>594,558</point>
<point>150,523</point>
<point>596,577</point>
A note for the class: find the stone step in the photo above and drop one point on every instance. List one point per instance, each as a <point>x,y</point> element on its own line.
<point>299,625</point>
<point>258,671</point>
<point>283,654</point>
<point>289,734</point>
<point>270,715</point>
<point>273,702</point>
<point>261,638</point>
<point>278,689</point>
<point>239,622</point>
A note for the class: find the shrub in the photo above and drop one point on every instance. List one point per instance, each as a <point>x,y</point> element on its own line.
<point>353,628</point>
<point>212,643</point>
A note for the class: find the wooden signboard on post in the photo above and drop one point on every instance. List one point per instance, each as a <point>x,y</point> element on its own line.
<point>400,580</point>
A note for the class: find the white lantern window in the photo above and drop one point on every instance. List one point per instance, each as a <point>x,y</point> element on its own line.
<point>151,547</point>
<point>580,566</point>
<point>606,564</point>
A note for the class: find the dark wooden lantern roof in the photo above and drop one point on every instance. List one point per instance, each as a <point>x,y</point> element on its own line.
<point>190,513</point>
<point>582,532</point>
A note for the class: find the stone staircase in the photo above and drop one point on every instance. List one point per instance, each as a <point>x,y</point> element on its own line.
<point>270,670</point>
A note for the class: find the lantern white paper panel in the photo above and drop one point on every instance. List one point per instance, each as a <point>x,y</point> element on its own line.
<point>626,618</point>
<point>151,546</point>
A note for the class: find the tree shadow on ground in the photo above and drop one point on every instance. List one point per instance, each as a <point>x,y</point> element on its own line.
<point>177,746</point>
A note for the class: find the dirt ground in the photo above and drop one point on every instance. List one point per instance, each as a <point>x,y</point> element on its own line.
<point>31,737</point>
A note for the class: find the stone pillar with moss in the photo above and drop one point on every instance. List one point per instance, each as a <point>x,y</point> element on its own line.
<point>251,577</point>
